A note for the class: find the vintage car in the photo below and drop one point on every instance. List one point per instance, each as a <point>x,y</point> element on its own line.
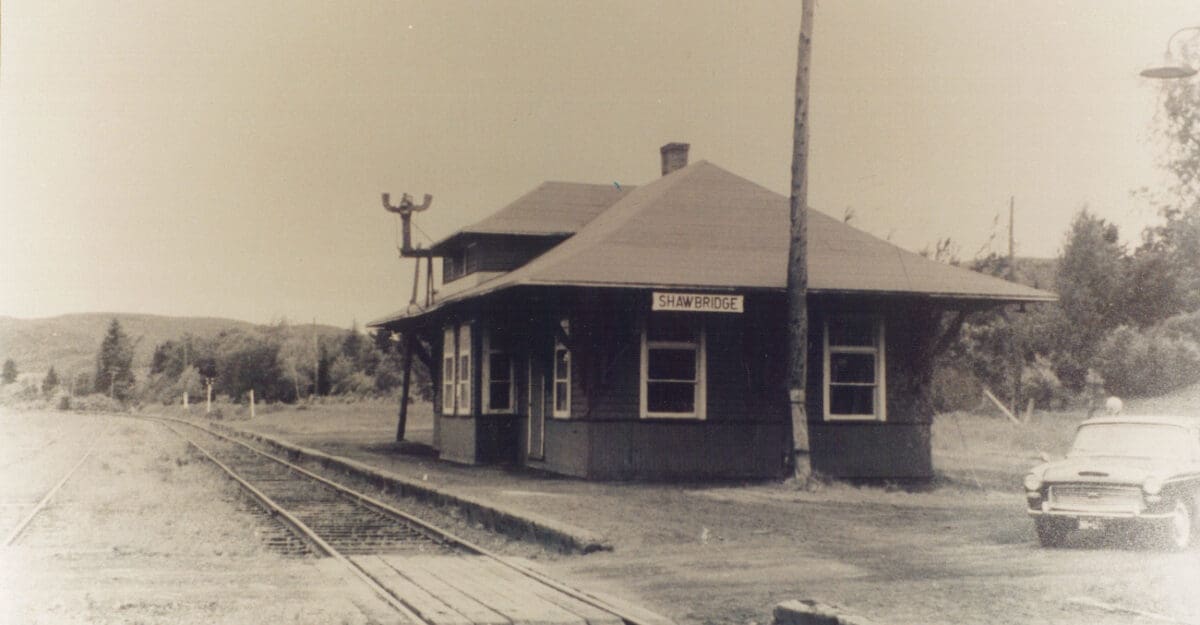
<point>1139,475</point>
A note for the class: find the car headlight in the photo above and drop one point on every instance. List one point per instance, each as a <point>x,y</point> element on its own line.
<point>1153,485</point>
<point>1033,481</point>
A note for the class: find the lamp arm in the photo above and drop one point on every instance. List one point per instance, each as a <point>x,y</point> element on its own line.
<point>1174,34</point>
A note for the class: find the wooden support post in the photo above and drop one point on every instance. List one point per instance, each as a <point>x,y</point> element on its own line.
<point>402,423</point>
<point>207,395</point>
<point>251,403</point>
<point>429,282</point>
<point>185,400</point>
<point>797,275</point>
<point>422,352</point>
<point>999,404</point>
<point>416,281</point>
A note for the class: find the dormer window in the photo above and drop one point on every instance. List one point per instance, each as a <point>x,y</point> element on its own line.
<point>455,264</point>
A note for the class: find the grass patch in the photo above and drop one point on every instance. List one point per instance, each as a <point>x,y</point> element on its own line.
<point>990,449</point>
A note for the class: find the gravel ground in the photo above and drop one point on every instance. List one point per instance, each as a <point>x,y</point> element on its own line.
<point>146,532</point>
<point>726,553</point>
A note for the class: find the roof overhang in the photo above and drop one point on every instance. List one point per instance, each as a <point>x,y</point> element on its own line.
<point>460,238</point>
<point>951,301</point>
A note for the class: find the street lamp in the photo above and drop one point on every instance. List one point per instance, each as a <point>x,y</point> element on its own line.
<point>1171,70</point>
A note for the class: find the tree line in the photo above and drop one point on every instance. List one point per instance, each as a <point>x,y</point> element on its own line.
<point>1128,317</point>
<point>280,363</point>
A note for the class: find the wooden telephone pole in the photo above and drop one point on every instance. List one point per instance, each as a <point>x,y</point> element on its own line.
<point>797,277</point>
<point>1015,357</point>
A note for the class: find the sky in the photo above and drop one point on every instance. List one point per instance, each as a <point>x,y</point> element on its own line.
<point>226,158</point>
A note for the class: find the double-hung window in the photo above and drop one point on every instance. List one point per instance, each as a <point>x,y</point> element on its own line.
<point>854,371</point>
<point>673,367</point>
<point>463,381</point>
<point>456,370</point>
<point>449,358</point>
<point>497,372</point>
<point>561,394</point>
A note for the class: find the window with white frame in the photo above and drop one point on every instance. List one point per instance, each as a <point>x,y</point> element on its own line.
<point>463,378</point>
<point>497,372</point>
<point>561,395</point>
<point>449,357</point>
<point>673,367</point>
<point>854,369</point>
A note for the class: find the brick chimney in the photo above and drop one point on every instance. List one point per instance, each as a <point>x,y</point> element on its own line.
<point>674,156</point>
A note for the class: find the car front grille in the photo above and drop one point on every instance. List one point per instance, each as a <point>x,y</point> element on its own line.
<point>1096,498</point>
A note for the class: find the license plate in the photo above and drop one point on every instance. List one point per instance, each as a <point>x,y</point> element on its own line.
<point>1091,524</point>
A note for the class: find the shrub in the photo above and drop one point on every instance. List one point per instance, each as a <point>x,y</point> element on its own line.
<point>96,403</point>
<point>1186,325</point>
<point>28,392</point>
<point>954,388</point>
<point>1149,362</point>
<point>1039,382</point>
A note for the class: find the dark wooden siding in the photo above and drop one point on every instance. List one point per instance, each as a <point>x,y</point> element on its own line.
<point>567,447</point>
<point>504,253</point>
<point>744,363</point>
<point>494,252</point>
<point>900,447</point>
<point>746,432</point>
<point>665,449</point>
<point>458,440</point>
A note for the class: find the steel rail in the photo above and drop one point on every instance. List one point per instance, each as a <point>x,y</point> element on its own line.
<point>12,536</point>
<point>445,535</point>
<point>305,531</point>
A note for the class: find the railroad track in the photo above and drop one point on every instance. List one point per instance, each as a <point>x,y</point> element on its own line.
<point>407,562</point>
<point>36,508</point>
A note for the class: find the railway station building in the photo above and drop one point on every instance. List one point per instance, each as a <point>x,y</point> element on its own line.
<point>610,332</point>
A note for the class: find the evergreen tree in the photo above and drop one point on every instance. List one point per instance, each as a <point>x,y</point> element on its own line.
<point>114,364</point>
<point>10,372</point>
<point>50,382</point>
<point>81,383</point>
<point>1092,279</point>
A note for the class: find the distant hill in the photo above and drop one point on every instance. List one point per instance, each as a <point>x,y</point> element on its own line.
<point>70,342</point>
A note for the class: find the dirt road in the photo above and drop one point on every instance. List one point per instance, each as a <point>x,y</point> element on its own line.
<point>143,532</point>
<point>147,533</point>
<point>896,558</point>
<point>727,553</point>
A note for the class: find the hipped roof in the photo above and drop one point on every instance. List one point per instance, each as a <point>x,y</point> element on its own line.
<point>553,208</point>
<point>702,227</point>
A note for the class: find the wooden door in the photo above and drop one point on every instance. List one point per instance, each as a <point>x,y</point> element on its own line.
<point>536,408</point>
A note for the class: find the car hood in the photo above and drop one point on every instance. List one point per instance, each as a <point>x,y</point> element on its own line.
<point>1107,470</point>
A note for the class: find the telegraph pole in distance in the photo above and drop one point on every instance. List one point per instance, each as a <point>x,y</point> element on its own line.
<point>797,277</point>
<point>1014,351</point>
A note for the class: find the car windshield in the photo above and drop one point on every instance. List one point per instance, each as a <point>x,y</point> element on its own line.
<point>1141,440</point>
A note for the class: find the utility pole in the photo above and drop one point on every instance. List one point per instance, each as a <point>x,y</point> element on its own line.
<point>797,277</point>
<point>316,361</point>
<point>1014,353</point>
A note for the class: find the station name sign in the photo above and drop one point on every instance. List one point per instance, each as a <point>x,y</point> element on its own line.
<point>697,302</point>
